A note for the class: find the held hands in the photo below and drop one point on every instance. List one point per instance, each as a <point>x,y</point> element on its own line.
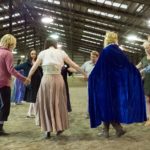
<point>141,71</point>
<point>27,81</point>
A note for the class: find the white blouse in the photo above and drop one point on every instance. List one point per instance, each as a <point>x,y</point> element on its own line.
<point>52,56</point>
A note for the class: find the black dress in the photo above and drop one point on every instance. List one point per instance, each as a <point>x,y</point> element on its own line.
<point>32,89</point>
<point>64,73</point>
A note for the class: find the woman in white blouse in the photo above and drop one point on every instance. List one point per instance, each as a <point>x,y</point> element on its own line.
<point>51,98</point>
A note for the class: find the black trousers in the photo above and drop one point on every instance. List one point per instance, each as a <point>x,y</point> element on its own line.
<point>5,93</point>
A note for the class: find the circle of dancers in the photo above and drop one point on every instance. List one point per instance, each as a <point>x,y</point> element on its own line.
<point>116,88</point>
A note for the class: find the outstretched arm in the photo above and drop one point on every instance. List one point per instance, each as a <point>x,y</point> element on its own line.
<point>21,66</point>
<point>146,69</point>
<point>139,65</point>
<point>74,65</point>
<point>72,70</point>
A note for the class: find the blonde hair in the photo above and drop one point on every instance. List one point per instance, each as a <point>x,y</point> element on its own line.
<point>110,37</point>
<point>146,44</point>
<point>95,53</point>
<point>8,41</point>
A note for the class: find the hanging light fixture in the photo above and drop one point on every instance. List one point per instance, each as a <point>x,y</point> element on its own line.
<point>47,20</point>
<point>54,36</point>
<point>132,38</point>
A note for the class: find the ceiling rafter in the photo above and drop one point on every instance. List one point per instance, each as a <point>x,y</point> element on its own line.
<point>78,29</point>
<point>140,2</point>
<point>117,23</point>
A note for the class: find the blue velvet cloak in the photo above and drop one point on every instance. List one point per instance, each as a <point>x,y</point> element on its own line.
<point>115,89</point>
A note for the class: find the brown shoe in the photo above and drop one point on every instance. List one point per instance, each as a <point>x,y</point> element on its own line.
<point>120,133</point>
<point>59,133</point>
<point>119,129</point>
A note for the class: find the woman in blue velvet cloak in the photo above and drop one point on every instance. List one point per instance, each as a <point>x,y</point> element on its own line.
<point>115,89</point>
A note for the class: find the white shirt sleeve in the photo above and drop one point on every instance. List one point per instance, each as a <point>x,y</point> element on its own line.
<point>64,54</point>
<point>41,55</point>
<point>83,66</point>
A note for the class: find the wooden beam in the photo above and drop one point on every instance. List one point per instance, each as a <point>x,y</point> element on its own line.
<point>10,15</point>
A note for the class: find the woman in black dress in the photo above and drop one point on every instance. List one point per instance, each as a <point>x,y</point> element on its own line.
<point>65,72</point>
<point>32,89</point>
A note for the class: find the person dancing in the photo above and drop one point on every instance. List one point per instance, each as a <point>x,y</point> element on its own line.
<point>51,99</point>
<point>7,44</point>
<point>116,92</point>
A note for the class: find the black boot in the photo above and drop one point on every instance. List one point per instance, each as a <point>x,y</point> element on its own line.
<point>1,127</point>
<point>2,132</point>
<point>118,128</point>
<point>105,131</point>
<point>47,135</point>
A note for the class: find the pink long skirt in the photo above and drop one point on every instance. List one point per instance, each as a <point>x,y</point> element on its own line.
<point>51,104</point>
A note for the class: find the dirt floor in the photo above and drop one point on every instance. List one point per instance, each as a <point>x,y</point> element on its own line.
<point>24,135</point>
